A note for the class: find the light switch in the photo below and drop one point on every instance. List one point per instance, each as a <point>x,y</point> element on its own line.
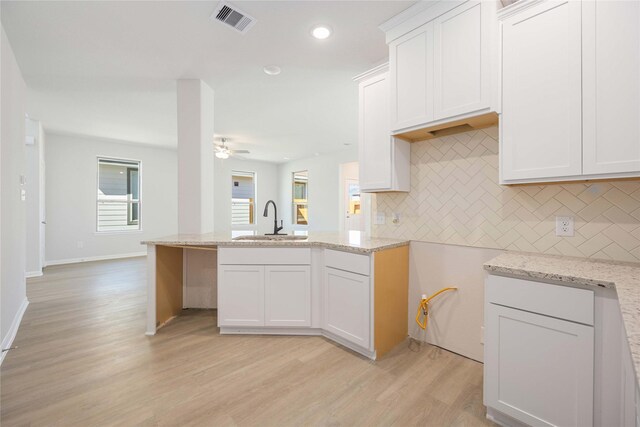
<point>380,218</point>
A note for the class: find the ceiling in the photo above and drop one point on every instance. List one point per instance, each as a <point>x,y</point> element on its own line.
<point>108,69</point>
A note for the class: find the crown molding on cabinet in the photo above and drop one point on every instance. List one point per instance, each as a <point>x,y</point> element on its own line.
<point>416,16</point>
<point>372,72</point>
<point>516,7</point>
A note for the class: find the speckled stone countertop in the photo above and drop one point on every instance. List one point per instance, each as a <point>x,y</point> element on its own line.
<point>623,277</point>
<point>352,242</point>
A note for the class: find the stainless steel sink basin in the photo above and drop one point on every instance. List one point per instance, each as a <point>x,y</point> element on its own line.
<point>271,238</point>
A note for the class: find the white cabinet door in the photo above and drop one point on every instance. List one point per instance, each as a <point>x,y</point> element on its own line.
<point>539,369</point>
<point>611,73</point>
<point>347,306</point>
<point>411,76</point>
<point>461,60</point>
<point>375,139</point>
<point>541,122</point>
<point>287,295</point>
<point>241,295</point>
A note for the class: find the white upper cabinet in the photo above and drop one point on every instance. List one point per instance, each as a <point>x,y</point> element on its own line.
<point>541,122</point>
<point>611,73</point>
<point>439,63</point>
<point>411,76</point>
<point>384,161</point>
<point>461,61</point>
<point>570,88</point>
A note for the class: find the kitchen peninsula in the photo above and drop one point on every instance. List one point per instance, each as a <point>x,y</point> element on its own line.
<point>350,288</point>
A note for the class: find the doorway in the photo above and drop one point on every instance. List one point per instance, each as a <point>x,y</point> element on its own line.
<point>354,206</point>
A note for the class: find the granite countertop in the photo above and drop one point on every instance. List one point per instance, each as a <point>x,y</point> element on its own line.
<point>623,277</point>
<point>352,241</point>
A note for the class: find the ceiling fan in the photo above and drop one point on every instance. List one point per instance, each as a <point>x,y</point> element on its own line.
<point>223,152</point>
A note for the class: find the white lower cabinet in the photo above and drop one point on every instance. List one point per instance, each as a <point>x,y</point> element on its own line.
<point>241,295</point>
<point>275,293</point>
<point>556,355</point>
<point>539,369</point>
<point>347,304</point>
<point>298,291</point>
<point>287,292</point>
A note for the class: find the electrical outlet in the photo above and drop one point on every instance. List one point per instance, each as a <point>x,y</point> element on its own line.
<point>564,226</point>
<point>380,218</point>
<point>395,218</point>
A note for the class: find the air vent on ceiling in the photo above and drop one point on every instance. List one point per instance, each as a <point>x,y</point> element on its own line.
<point>232,16</point>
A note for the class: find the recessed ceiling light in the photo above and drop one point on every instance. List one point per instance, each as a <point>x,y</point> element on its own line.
<point>272,70</point>
<point>321,32</point>
<point>287,158</point>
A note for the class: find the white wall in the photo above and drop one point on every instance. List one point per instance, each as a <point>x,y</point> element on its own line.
<point>12,209</point>
<point>266,189</point>
<point>71,180</point>
<point>35,200</point>
<point>455,317</point>
<point>324,189</point>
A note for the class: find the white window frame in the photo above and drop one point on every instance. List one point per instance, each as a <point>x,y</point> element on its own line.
<point>123,162</point>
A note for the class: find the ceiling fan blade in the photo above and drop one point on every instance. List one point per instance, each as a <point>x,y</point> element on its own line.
<point>240,151</point>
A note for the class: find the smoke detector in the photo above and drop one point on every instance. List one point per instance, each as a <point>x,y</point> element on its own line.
<point>232,16</point>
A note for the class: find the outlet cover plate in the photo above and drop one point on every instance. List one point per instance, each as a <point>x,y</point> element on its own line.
<point>564,226</point>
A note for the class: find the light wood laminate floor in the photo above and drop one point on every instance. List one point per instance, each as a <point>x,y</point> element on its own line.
<point>83,360</point>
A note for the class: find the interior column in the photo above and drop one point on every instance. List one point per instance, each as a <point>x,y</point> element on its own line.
<point>195,189</point>
<point>195,157</point>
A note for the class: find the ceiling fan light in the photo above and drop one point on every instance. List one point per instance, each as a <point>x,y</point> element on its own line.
<point>222,154</point>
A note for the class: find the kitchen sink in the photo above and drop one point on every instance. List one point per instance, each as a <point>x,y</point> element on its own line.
<point>271,238</point>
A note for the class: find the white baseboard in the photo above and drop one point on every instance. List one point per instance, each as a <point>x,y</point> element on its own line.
<point>30,274</point>
<point>7,340</point>
<point>94,258</point>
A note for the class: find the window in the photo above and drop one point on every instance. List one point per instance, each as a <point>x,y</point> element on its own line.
<point>243,198</point>
<point>300,193</point>
<point>118,201</point>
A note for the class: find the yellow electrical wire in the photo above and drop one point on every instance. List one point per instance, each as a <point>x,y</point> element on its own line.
<point>423,307</point>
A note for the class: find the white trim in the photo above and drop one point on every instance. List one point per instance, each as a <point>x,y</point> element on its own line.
<point>372,72</point>
<point>405,15</point>
<point>416,16</point>
<point>7,341</point>
<point>30,274</point>
<point>515,8</point>
<point>94,258</point>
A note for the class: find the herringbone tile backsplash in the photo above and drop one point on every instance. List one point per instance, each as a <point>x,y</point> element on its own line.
<point>455,198</point>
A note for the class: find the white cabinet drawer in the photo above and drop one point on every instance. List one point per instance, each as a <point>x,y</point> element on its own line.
<point>264,256</point>
<point>562,302</point>
<point>346,261</point>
